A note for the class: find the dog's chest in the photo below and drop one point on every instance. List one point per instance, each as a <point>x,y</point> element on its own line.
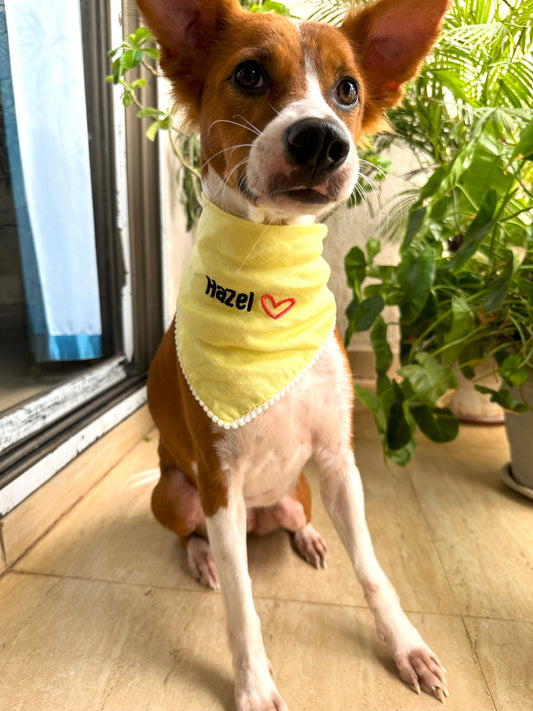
<point>269,453</point>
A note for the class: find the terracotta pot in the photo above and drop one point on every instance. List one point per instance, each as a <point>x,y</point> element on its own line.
<point>519,473</point>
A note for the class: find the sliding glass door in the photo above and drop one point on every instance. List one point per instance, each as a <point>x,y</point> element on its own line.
<point>79,251</point>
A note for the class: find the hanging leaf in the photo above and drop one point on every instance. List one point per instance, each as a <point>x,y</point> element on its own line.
<point>479,228</point>
<point>355,267</point>
<point>415,276</point>
<point>497,290</point>
<point>366,312</point>
<point>463,321</point>
<point>428,378</point>
<point>380,346</point>
<point>438,424</point>
<point>503,398</point>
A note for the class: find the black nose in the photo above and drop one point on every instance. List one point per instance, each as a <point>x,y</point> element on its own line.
<point>316,145</point>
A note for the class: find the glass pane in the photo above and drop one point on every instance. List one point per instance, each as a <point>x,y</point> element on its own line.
<point>50,300</point>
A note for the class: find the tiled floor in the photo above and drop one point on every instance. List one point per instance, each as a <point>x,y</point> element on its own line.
<point>101,613</point>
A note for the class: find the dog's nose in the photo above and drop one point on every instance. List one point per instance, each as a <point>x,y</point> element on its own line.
<point>317,145</point>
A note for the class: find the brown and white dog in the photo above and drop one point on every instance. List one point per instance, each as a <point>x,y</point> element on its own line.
<point>281,106</point>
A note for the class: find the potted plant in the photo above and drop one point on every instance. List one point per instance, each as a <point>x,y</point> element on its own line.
<point>463,285</point>
<point>463,288</point>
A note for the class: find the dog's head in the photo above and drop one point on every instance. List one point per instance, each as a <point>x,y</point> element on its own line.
<point>282,104</point>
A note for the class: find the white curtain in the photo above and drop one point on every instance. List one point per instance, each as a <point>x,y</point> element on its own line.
<point>43,96</point>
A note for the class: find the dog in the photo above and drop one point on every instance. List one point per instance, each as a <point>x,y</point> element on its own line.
<point>251,380</point>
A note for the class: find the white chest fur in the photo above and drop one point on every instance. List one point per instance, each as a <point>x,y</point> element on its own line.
<point>269,453</point>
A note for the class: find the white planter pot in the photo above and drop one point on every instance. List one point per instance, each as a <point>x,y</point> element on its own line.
<point>519,473</point>
<point>468,405</point>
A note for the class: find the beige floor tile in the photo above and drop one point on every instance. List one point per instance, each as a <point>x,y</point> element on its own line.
<point>483,532</point>
<point>112,535</point>
<point>88,644</point>
<point>401,539</point>
<point>71,644</point>
<point>31,519</point>
<point>505,651</point>
<point>328,657</point>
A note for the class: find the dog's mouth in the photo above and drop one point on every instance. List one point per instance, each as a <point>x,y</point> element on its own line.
<point>304,195</point>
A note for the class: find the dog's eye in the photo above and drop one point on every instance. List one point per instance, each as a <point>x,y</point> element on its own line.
<point>347,92</point>
<point>249,75</point>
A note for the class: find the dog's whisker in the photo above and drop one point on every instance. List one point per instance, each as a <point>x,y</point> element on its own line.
<point>229,148</point>
<point>236,167</point>
<point>249,127</point>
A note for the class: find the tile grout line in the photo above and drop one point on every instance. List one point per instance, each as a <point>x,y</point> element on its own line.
<point>478,662</point>
<point>201,591</point>
<point>264,598</point>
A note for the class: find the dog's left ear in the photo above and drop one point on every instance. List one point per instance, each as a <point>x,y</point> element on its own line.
<point>391,38</point>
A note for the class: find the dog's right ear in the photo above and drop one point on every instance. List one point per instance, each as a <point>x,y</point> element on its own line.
<point>186,31</point>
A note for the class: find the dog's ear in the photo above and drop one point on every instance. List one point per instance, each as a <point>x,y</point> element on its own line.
<point>186,31</point>
<point>391,38</point>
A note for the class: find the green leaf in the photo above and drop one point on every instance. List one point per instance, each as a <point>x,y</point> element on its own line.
<point>141,34</point>
<point>152,131</point>
<point>350,330</point>
<point>415,277</point>
<point>416,218</point>
<point>486,170</point>
<point>150,111</point>
<point>380,346</point>
<point>355,267</point>
<point>478,229</point>
<point>366,312</point>
<point>498,288</point>
<point>272,6</point>
<point>428,378</point>
<point>152,52</point>
<point>398,429</point>
<point>373,248</point>
<point>511,371</point>
<point>402,456</point>
<point>131,58</point>
<point>524,147</point>
<point>463,321</point>
<point>438,424</point>
<point>503,398</point>
<point>369,399</point>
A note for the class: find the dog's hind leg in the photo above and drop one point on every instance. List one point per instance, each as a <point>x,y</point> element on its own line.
<point>176,505</point>
<point>293,512</point>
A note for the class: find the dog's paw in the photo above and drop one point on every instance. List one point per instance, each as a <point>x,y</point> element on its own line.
<point>201,563</point>
<point>421,669</point>
<point>311,546</point>
<point>265,698</point>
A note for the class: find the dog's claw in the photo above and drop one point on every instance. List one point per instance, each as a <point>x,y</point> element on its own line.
<point>201,563</point>
<point>311,546</point>
<point>439,693</point>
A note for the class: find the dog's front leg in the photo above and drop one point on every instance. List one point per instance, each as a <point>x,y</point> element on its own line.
<point>342,493</point>
<point>255,689</point>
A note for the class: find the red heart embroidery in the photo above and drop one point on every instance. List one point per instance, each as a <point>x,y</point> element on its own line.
<point>273,310</point>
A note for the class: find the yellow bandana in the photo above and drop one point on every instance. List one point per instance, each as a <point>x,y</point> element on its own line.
<point>253,313</point>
